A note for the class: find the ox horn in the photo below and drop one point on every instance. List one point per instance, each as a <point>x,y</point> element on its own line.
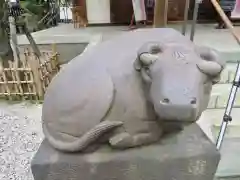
<point>147,59</point>
<point>211,64</point>
<point>147,54</point>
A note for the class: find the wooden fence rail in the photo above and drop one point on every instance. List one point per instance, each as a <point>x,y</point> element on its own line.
<point>29,79</point>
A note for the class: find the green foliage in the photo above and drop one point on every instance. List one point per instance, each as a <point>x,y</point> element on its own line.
<point>5,49</point>
<point>34,11</point>
<point>33,8</point>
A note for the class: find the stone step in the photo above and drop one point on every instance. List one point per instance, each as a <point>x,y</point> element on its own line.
<point>221,91</point>
<point>227,178</point>
<point>215,116</point>
<point>233,131</point>
<point>211,121</point>
<point>228,73</point>
<point>229,166</point>
<point>220,95</point>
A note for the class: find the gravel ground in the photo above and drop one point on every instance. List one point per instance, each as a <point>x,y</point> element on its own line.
<point>20,137</point>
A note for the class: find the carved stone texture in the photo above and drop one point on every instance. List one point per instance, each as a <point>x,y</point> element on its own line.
<point>122,90</point>
<point>186,154</point>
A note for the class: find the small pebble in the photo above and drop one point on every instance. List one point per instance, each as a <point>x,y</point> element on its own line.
<point>21,136</point>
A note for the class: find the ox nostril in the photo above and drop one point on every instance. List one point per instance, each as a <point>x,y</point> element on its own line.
<point>193,101</point>
<point>165,101</point>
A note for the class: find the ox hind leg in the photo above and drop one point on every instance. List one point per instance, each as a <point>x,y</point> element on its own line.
<point>150,134</point>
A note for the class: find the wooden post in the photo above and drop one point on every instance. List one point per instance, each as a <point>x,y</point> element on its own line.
<point>54,48</point>
<point>194,21</point>
<point>1,65</point>
<point>34,64</point>
<point>32,88</point>
<point>226,20</point>
<point>13,39</point>
<point>186,9</point>
<point>32,42</point>
<point>6,85</point>
<point>160,13</point>
<point>55,61</point>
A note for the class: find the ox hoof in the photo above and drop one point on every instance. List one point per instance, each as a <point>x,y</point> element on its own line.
<point>122,140</point>
<point>125,140</point>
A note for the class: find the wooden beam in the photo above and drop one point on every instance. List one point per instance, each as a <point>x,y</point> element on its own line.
<point>185,22</point>
<point>160,13</point>
<point>226,20</point>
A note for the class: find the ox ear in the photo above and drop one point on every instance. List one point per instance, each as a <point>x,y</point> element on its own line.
<point>211,63</point>
<point>147,55</point>
<point>142,64</point>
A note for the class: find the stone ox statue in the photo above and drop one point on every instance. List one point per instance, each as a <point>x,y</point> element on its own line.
<point>121,91</point>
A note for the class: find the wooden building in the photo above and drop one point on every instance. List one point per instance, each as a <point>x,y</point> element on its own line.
<point>121,11</point>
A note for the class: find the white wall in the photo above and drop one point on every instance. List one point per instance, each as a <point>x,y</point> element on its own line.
<point>65,13</point>
<point>98,11</point>
<point>236,11</point>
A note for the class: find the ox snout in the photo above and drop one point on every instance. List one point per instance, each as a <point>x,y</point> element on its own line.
<point>177,112</point>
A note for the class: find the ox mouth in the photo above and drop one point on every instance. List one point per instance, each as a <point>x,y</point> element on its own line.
<point>177,112</point>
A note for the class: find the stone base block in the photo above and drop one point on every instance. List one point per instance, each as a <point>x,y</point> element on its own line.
<point>186,154</point>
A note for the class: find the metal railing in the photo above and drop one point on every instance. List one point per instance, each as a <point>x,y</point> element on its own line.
<point>236,83</point>
<point>194,20</point>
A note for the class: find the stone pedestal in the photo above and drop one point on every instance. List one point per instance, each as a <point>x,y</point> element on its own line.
<point>186,154</point>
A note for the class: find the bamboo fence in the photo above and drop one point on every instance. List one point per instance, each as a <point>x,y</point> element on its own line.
<point>29,78</point>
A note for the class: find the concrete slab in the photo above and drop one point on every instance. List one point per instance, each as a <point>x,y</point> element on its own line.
<point>186,155</point>
<point>67,50</point>
<point>66,33</point>
<point>206,34</point>
<point>221,39</point>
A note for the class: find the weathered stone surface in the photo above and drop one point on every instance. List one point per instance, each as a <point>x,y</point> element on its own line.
<point>160,73</point>
<point>185,155</point>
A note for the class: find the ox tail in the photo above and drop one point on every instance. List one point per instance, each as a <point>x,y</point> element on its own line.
<point>83,141</point>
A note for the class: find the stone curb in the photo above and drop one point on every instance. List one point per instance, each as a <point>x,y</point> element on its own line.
<point>220,95</point>
<point>57,39</point>
<point>215,116</point>
<point>221,91</point>
<point>228,73</point>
